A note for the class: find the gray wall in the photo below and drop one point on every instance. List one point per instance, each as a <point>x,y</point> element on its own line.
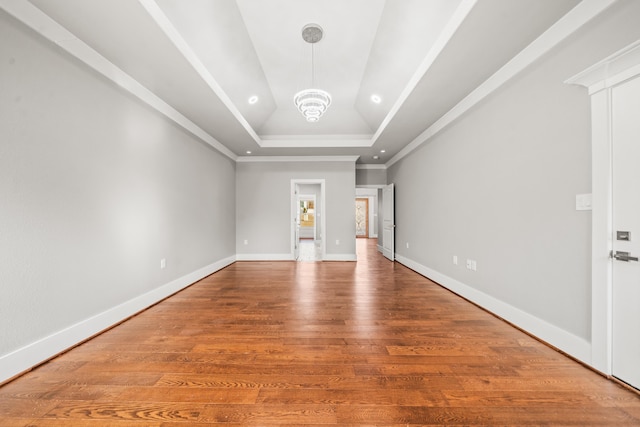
<point>499,185</point>
<point>371,177</point>
<point>264,205</point>
<point>95,188</point>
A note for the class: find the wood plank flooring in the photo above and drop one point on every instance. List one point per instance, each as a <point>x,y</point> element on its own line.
<point>284,343</point>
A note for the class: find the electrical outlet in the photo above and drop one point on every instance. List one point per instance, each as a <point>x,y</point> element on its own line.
<point>455,260</point>
<point>407,245</point>
<point>337,242</point>
<point>163,263</point>
<point>473,265</point>
<point>469,264</point>
<point>246,242</point>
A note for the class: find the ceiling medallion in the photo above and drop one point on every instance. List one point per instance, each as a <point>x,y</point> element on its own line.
<point>312,103</point>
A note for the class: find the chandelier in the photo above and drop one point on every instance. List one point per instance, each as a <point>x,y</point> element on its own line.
<point>312,103</point>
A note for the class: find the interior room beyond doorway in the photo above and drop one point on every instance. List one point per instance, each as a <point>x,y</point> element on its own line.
<point>308,221</point>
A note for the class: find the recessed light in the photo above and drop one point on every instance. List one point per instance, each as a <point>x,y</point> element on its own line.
<point>248,152</point>
<point>376,157</point>
<point>253,99</point>
<point>383,151</point>
<point>376,99</point>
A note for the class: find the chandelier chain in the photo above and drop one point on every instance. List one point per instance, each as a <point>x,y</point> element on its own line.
<point>312,102</point>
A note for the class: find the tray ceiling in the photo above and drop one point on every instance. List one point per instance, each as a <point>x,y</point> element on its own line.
<point>206,58</point>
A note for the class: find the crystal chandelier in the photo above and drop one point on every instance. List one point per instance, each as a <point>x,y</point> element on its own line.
<point>312,103</point>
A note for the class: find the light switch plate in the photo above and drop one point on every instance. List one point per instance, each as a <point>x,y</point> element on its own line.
<point>583,202</point>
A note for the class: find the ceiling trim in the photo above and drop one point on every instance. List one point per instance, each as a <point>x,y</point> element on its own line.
<point>443,39</point>
<point>262,159</point>
<point>370,166</point>
<point>370,186</point>
<point>45,26</point>
<point>172,34</point>
<point>575,19</point>
<point>315,141</point>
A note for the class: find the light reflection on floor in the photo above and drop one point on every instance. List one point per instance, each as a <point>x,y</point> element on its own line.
<point>310,250</point>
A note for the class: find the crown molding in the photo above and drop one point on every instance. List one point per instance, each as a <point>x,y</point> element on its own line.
<point>575,19</point>
<point>315,141</point>
<point>183,47</point>
<point>294,159</point>
<point>42,24</point>
<point>371,166</point>
<point>447,33</point>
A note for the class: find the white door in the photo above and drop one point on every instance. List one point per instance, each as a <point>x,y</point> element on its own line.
<point>388,222</point>
<point>626,232</point>
<point>296,223</point>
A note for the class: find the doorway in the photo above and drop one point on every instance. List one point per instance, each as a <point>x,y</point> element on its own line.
<point>308,220</point>
<point>614,89</point>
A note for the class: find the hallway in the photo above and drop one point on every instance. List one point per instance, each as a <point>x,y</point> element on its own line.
<point>310,250</point>
<point>337,343</point>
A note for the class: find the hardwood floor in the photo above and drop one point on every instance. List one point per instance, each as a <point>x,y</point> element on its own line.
<point>298,343</point>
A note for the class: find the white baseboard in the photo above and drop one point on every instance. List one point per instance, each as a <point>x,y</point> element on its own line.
<point>380,249</point>
<point>264,257</point>
<point>567,342</point>
<point>25,358</point>
<point>340,257</point>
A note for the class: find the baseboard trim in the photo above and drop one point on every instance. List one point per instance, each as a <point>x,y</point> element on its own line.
<point>264,257</point>
<point>564,341</point>
<point>340,257</point>
<point>26,358</point>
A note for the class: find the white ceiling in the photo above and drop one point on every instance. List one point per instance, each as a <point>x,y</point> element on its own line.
<point>205,58</point>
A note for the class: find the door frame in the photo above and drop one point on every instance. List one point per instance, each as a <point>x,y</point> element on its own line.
<point>371,192</point>
<point>600,80</point>
<point>294,212</point>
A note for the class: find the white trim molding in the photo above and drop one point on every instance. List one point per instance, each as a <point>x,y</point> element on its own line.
<point>42,24</point>
<point>183,47</point>
<point>575,19</point>
<point>295,159</point>
<point>461,12</point>
<point>315,141</point>
<point>573,345</point>
<point>371,166</point>
<point>323,213</point>
<point>373,186</point>
<point>599,79</point>
<point>25,358</point>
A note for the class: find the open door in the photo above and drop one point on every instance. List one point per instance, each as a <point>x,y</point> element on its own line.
<point>388,222</point>
<point>626,232</point>
<point>300,187</point>
<point>296,221</point>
